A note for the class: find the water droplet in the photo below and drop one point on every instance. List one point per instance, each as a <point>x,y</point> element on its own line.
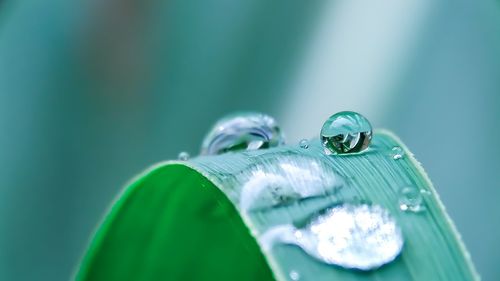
<point>397,153</point>
<point>294,275</point>
<point>286,180</point>
<point>346,132</point>
<point>304,143</point>
<point>183,156</point>
<point>410,199</point>
<point>242,131</point>
<point>361,237</point>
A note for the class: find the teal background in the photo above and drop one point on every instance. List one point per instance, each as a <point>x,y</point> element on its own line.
<point>92,92</point>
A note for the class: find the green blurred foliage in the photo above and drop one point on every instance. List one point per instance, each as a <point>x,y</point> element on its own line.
<point>92,92</point>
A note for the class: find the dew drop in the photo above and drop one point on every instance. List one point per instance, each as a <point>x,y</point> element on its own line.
<point>361,237</point>
<point>397,153</point>
<point>242,131</point>
<point>410,199</point>
<point>294,275</point>
<point>346,132</point>
<point>304,143</point>
<point>183,156</point>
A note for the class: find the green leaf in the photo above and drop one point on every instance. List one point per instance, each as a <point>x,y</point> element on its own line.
<point>191,221</point>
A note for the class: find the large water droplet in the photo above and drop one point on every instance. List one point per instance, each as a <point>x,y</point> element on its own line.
<point>242,131</point>
<point>362,237</point>
<point>183,156</point>
<point>410,199</point>
<point>397,153</point>
<point>346,132</point>
<point>286,180</point>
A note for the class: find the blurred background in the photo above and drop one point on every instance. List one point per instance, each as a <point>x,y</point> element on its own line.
<point>92,92</point>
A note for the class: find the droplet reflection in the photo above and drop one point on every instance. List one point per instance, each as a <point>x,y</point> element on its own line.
<point>346,132</point>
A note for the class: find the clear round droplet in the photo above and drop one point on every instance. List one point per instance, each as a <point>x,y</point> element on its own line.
<point>183,156</point>
<point>294,275</point>
<point>242,131</point>
<point>361,237</point>
<point>346,132</point>
<point>304,143</point>
<point>397,153</point>
<point>410,199</point>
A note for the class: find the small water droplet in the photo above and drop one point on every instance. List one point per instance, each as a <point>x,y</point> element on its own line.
<point>410,199</point>
<point>183,156</point>
<point>346,132</point>
<point>397,153</point>
<point>294,275</point>
<point>361,237</point>
<point>304,143</point>
<point>242,131</point>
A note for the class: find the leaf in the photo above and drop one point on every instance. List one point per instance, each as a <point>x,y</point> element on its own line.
<point>199,220</point>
